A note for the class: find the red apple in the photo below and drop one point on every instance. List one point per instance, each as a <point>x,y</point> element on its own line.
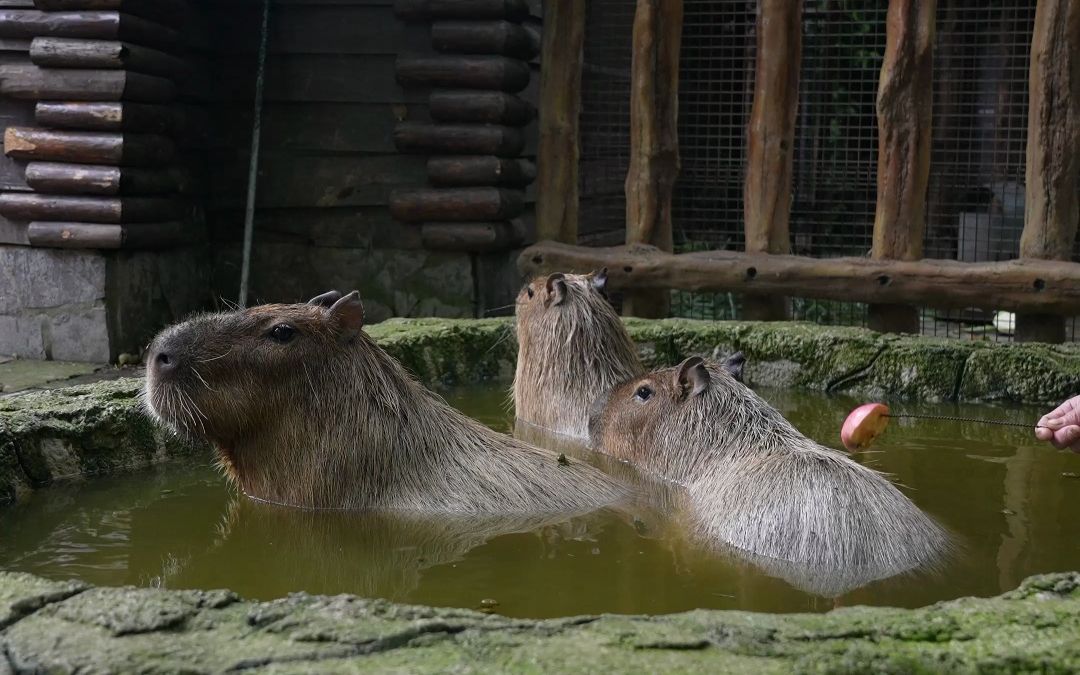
<point>863,425</point>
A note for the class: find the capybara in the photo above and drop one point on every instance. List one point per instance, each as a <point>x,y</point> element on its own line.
<point>572,347</point>
<point>306,410</point>
<point>755,481</point>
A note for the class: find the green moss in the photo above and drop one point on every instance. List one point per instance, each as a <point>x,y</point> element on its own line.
<point>919,369</point>
<point>1022,372</point>
<point>50,626</point>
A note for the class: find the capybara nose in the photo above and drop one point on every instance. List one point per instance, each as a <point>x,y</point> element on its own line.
<point>164,363</point>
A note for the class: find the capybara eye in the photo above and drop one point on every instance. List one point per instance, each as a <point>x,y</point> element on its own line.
<point>643,393</point>
<point>530,292</point>
<point>282,332</point>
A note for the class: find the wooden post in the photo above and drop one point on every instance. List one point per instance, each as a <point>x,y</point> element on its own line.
<point>560,103</point>
<point>905,93</point>
<point>1053,166</point>
<point>767,196</point>
<point>654,138</point>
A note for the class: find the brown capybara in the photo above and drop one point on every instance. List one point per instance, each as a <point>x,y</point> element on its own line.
<point>572,347</point>
<point>306,410</point>
<point>755,482</point>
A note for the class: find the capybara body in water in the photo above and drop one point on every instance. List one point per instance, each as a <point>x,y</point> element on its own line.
<point>306,410</point>
<point>755,481</point>
<point>571,348</point>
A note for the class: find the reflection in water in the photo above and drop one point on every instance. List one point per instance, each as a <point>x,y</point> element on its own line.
<point>1011,500</point>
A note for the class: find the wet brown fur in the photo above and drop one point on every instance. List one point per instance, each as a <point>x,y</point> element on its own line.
<point>755,482</point>
<point>572,347</point>
<point>330,420</point>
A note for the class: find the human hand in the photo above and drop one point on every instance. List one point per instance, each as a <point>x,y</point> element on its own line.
<point>1061,427</point>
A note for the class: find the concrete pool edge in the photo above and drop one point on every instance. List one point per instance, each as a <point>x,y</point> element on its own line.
<point>100,428</point>
<point>48,626</point>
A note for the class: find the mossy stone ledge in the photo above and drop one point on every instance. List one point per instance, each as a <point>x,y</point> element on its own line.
<point>101,428</point>
<point>62,627</point>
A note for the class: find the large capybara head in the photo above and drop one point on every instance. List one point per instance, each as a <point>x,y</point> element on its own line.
<point>674,407</point>
<point>232,375</point>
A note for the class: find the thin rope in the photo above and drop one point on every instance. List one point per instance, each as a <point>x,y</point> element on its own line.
<point>950,418</point>
<point>253,164</point>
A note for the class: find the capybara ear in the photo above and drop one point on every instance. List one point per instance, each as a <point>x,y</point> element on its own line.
<point>556,288</point>
<point>326,299</point>
<point>734,365</point>
<point>693,377</point>
<point>599,279</point>
<point>348,311</point>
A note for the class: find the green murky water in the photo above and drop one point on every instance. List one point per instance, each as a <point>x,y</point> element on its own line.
<point>1014,504</point>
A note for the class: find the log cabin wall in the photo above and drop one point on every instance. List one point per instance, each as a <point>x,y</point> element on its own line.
<point>363,120</point>
<point>100,231</point>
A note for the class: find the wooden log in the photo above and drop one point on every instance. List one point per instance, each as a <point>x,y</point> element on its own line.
<point>475,171</point>
<point>654,137</point>
<point>1031,285</point>
<point>456,204</point>
<point>113,116</point>
<point>471,237</point>
<point>169,12</point>
<point>465,139</point>
<point>34,83</point>
<point>483,37</point>
<point>105,236</point>
<point>471,72</point>
<point>106,55</point>
<point>34,206</point>
<point>29,23</point>
<point>426,10</point>
<point>559,146</point>
<point>491,107</point>
<point>905,118</point>
<point>1052,205</point>
<point>771,141</point>
<point>90,179</point>
<point>87,147</point>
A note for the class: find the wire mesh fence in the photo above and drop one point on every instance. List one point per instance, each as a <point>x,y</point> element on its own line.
<point>975,201</point>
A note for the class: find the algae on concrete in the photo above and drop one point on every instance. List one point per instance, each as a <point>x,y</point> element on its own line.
<point>63,627</point>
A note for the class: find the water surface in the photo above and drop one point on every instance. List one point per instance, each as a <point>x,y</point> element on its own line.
<point>1014,504</point>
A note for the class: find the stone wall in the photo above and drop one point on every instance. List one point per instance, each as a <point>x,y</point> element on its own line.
<point>92,306</point>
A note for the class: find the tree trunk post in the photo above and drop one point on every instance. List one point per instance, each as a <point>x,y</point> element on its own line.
<point>654,139</point>
<point>771,142</point>
<point>561,55</point>
<point>1052,209</point>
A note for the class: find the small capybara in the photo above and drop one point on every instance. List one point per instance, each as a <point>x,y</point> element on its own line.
<point>755,481</point>
<point>306,410</point>
<point>572,347</point>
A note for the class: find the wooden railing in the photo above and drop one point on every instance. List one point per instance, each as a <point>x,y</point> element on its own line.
<point>1041,286</point>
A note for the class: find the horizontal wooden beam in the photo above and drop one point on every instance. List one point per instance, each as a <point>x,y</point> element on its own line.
<point>106,236</point>
<point>472,237</point>
<point>425,10</point>
<point>111,116</point>
<point>90,179</point>
<point>108,25</point>
<point>456,204</point>
<point>30,82</point>
<point>105,55</point>
<point>1028,285</point>
<point>472,171</point>
<point>87,147</point>
<point>171,12</point>
<point>470,72</point>
<point>461,139</point>
<point>483,37</point>
<point>30,206</point>
<point>491,107</point>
